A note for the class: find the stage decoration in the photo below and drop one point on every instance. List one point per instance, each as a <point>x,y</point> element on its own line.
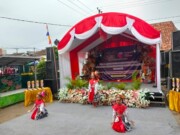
<point>173,96</point>
<point>110,23</point>
<point>42,83</point>
<point>173,84</point>
<point>32,85</point>
<point>118,63</point>
<point>133,98</point>
<point>37,84</point>
<point>78,83</point>
<point>88,66</point>
<point>101,28</point>
<point>76,91</point>
<point>177,84</point>
<point>30,95</point>
<point>28,85</point>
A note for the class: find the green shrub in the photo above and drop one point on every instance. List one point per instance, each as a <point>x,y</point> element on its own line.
<point>120,86</point>
<point>136,82</point>
<point>78,83</point>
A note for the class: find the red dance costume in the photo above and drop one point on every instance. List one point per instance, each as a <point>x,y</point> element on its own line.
<point>92,89</point>
<point>39,107</point>
<point>118,111</point>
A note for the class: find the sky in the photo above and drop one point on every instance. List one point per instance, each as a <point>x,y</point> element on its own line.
<point>23,22</point>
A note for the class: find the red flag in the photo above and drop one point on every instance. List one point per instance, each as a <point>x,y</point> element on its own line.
<point>47,34</point>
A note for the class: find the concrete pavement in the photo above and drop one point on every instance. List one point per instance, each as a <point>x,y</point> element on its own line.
<point>77,119</point>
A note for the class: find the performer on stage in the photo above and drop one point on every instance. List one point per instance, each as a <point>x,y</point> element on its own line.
<point>39,108</point>
<point>93,87</point>
<point>97,76</point>
<point>120,122</point>
<point>146,74</point>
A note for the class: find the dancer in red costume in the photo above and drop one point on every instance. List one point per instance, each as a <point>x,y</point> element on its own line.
<point>39,108</point>
<point>120,122</point>
<point>93,84</point>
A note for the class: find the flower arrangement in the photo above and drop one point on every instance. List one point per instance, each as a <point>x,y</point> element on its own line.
<point>63,94</point>
<point>133,98</point>
<point>76,91</point>
<point>143,98</point>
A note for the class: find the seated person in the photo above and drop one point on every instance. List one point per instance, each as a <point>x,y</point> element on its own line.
<point>120,122</point>
<point>39,110</point>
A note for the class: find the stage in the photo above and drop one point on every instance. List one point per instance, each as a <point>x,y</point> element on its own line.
<point>150,87</point>
<point>11,97</point>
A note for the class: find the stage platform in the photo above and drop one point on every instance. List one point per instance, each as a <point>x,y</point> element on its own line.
<point>149,86</point>
<point>11,92</point>
<point>11,97</point>
<point>159,99</point>
<point>15,96</point>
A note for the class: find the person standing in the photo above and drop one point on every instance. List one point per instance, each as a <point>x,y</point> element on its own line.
<point>93,87</point>
<point>97,76</point>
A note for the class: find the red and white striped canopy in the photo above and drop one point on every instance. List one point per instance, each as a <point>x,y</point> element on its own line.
<point>111,24</point>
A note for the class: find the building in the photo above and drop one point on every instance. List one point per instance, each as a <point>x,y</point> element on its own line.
<point>166,29</point>
<point>2,52</point>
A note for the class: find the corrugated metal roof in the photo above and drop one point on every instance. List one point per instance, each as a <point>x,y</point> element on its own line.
<point>16,60</point>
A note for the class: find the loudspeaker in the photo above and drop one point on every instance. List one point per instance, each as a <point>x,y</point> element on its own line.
<point>169,83</point>
<point>50,71</point>
<point>176,40</point>
<point>164,71</point>
<point>53,84</point>
<point>164,64</point>
<point>164,58</point>
<point>175,64</point>
<point>49,53</point>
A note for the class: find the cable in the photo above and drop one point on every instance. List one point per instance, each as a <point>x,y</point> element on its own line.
<point>123,3</point>
<point>15,19</point>
<point>69,6</point>
<point>133,3</point>
<point>85,6</point>
<point>164,18</point>
<point>139,4</point>
<point>78,6</point>
<point>101,3</point>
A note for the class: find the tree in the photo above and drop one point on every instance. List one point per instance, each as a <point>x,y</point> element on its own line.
<point>41,67</point>
<point>41,70</point>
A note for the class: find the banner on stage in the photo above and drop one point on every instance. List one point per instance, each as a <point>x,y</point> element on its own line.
<point>119,63</point>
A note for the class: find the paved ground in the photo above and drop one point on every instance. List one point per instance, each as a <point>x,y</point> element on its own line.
<point>71,119</point>
<point>12,112</point>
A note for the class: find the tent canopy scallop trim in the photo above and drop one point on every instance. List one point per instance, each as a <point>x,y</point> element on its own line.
<point>113,24</point>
